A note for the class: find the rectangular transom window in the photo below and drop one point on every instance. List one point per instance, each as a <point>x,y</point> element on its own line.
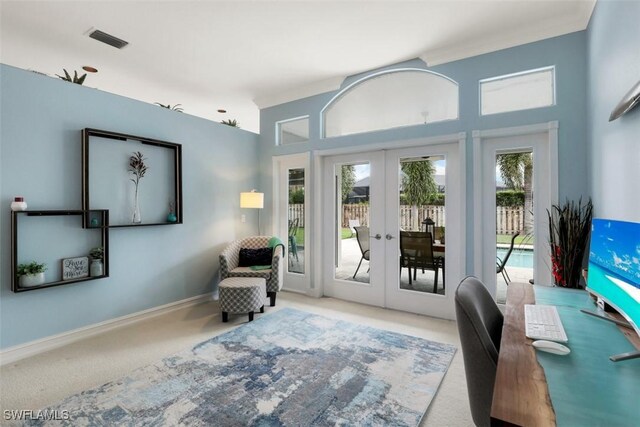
<point>291,131</point>
<point>519,91</point>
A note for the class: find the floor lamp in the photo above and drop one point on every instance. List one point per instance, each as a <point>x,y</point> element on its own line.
<point>253,200</point>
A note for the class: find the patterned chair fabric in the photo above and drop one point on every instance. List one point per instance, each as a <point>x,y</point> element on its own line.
<point>242,295</point>
<point>230,258</point>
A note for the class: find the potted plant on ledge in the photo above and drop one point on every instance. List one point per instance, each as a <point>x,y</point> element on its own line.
<point>31,274</point>
<point>96,268</point>
<point>569,228</point>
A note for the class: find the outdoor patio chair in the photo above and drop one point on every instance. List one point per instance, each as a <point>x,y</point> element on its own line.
<point>416,251</point>
<point>501,264</point>
<point>362,234</point>
<point>293,244</point>
<point>353,223</point>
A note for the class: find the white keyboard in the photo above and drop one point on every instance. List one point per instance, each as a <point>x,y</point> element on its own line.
<point>543,323</point>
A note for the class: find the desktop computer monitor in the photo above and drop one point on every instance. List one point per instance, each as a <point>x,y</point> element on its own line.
<point>614,266</point>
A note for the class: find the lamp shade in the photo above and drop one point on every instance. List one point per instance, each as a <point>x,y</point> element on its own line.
<point>252,199</point>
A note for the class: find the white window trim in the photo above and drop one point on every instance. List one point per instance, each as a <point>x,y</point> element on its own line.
<point>551,68</point>
<point>278,130</point>
<point>371,76</point>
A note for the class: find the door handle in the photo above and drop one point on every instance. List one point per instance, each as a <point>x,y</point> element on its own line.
<point>377,236</point>
<point>389,237</point>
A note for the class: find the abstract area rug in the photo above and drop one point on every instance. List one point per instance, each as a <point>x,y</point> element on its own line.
<point>288,368</point>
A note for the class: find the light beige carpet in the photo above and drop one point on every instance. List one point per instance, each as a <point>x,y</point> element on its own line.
<point>48,378</point>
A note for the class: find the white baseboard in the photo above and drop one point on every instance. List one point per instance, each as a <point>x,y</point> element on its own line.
<point>22,351</point>
<point>314,293</point>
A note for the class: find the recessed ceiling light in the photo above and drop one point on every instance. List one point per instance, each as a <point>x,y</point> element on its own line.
<point>222,111</point>
<point>90,69</point>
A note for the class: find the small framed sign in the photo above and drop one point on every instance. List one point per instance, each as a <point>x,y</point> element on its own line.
<point>75,268</point>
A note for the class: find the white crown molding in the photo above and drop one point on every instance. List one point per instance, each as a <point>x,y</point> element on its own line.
<point>514,38</point>
<point>315,88</point>
<point>22,351</point>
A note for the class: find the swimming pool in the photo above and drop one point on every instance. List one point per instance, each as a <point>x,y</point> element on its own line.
<point>519,257</point>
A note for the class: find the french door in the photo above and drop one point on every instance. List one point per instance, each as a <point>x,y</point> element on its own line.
<point>382,208</point>
<point>529,259</point>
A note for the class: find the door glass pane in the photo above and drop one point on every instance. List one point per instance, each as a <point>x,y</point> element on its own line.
<point>296,225</point>
<point>352,222</point>
<point>514,217</point>
<point>421,223</point>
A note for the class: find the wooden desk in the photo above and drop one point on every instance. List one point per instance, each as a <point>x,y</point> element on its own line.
<point>521,395</point>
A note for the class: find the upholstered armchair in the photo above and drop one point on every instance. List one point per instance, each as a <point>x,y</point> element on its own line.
<point>230,258</point>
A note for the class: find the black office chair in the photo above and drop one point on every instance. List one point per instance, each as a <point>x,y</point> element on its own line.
<point>480,327</point>
<point>501,264</point>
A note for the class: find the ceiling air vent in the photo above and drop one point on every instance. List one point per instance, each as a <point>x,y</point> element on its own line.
<point>103,37</point>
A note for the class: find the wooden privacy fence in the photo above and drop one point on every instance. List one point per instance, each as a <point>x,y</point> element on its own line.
<point>297,212</point>
<point>508,219</point>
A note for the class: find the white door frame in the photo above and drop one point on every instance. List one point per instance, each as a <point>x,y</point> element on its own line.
<point>482,267</point>
<point>434,305</point>
<point>317,160</point>
<point>294,282</point>
<point>372,292</point>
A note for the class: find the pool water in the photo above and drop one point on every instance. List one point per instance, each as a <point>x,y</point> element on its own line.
<point>519,257</point>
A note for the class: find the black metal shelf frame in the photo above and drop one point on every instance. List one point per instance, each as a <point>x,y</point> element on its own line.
<point>177,167</point>
<point>103,226</point>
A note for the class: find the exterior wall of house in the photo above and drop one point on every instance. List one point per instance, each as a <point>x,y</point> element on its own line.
<point>614,67</point>
<point>40,159</point>
<point>567,53</point>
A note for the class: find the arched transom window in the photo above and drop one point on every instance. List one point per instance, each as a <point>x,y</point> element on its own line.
<point>391,99</point>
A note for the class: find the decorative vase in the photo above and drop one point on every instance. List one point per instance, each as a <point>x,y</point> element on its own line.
<point>172,217</point>
<point>96,268</point>
<point>18,204</point>
<point>136,219</point>
<point>30,280</point>
<point>94,222</point>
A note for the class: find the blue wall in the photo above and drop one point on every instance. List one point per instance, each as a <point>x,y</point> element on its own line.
<point>40,158</point>
<point>614,67</point>
<point>567,53</point>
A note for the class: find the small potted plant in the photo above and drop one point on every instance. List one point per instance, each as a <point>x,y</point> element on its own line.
<point>96,268</point>
<point>31,274</point>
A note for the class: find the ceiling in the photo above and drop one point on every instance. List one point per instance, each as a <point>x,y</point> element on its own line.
<point>242,55</point>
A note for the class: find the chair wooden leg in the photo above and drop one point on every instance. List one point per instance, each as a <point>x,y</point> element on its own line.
<point>262,309</point>
<point>251,316</point>
<point>435,281</point>
<point>409,269</point>
<point>225,316</point>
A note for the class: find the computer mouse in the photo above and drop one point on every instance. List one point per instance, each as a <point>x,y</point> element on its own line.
<point>551,347</point>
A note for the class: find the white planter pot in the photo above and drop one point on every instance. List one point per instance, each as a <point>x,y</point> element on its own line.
<point>96,268</point>
<point>30,280</point>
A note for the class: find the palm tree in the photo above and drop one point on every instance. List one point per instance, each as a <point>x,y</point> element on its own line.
<point>516,170</point>
<point>418,184</point>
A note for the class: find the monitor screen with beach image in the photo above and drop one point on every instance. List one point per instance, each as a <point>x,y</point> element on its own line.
<point>614,266</point>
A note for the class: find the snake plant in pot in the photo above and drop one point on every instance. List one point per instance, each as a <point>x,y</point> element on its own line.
<point>569,227</point>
